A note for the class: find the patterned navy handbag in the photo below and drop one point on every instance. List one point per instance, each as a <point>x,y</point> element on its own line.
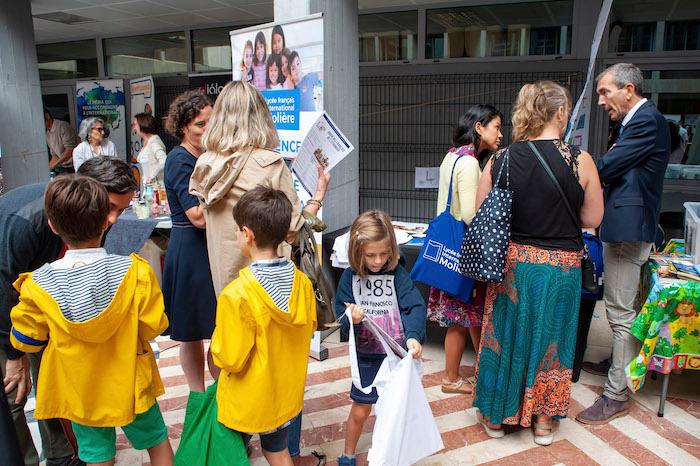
<point>485,243</point>
<point>438,262</point>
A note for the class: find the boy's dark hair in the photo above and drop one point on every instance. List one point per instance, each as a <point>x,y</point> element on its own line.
<point>77,207</point>
<point>114,174</point>
<point>267,212</point>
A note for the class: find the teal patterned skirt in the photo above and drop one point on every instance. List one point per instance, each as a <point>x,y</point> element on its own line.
<point>529,337</point>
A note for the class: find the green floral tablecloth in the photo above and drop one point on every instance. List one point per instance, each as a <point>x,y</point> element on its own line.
<point>669,327</point>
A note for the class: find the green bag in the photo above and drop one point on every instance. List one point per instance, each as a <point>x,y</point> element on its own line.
<point>205,441</point>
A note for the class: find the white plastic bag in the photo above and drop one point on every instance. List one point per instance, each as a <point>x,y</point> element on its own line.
<point>405,431</point>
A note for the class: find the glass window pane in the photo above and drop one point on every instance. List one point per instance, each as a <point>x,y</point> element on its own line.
<point>388,36</point>
<point>538,28</point>
<point>67,60</point>
<point>211,49</point>
<point>148,54</point>
<point>652,25</point>
<point>633,37</point>
<point>682,35</point>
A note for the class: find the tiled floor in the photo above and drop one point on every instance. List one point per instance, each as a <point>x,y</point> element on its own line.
<point>640,438</point>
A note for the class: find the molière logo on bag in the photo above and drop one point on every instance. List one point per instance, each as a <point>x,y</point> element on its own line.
<point>438,252</point>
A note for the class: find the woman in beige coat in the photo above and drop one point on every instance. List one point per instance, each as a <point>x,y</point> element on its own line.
<point>240,141</point>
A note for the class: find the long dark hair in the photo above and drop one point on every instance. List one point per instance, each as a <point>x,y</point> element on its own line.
<point>259,38</point>
<point>277,60</point>
<point>278,30</point>
<point>465,131</point>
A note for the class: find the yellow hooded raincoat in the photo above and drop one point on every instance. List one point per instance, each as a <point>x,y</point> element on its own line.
<point>100,372</point>
<point>263,352</point>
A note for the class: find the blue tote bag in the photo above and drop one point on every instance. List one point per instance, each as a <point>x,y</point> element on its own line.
<point>438,262</point>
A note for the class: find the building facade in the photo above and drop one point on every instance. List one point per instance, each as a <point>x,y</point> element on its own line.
<point>420,67</point>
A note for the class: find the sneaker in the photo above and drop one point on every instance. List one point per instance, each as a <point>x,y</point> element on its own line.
<point>597,368</point>
<point>603,411</point>
<point>346,461</point>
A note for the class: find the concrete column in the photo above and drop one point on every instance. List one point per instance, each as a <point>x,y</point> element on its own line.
<point>563,40</point>
<point>22,135</point>
<point>341,96</point>
<point>659,37</point>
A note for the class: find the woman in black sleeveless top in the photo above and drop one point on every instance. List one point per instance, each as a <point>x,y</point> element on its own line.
<point>530,319</point>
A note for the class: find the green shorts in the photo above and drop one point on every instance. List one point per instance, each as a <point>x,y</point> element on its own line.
<point>97,444</point>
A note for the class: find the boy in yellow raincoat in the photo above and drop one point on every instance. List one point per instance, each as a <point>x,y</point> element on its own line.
<point>264,322</point>
<point>94,314</point>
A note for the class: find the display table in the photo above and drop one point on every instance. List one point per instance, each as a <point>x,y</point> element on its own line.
<point>668,327</point>
<point>130,233</point>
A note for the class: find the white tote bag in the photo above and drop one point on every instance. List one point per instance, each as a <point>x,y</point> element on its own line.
<point>405,431</point>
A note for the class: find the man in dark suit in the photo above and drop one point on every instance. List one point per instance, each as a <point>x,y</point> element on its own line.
<point>632,172</point>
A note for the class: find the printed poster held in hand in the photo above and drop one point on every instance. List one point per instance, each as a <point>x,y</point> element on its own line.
<point>405,431</point>
<point>324,146</point>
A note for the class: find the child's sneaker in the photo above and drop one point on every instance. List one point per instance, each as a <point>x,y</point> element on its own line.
<point>346,461</point>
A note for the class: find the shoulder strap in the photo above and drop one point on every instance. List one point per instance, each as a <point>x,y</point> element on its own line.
<point>544,164</point>
<point>449,189</point>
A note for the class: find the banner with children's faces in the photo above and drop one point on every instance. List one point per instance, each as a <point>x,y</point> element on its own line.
<point>284,61</point>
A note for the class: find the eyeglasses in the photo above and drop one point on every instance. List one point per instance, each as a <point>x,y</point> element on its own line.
<point>101,130</point>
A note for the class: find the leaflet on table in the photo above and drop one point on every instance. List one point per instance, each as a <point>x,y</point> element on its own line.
<point>324,146</point>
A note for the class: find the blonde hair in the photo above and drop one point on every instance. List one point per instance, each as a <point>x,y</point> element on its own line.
<point>240,120</point>
<point>370,227</point>
<point>536,105</point>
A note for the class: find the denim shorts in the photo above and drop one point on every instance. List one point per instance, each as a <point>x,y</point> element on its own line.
<point>369,366</point>
<point>273,442</point>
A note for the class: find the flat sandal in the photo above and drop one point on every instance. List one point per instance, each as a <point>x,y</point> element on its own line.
<point>493,433</point>
<point>458,386</point>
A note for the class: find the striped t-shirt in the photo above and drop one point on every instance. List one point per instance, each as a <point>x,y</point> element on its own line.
<point>276,276</point>
<point>83,283</point>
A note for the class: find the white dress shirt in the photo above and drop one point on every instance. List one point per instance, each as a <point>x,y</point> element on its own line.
<point>630,114</point>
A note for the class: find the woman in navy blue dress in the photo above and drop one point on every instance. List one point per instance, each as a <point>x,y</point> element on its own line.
<point>188,291</point>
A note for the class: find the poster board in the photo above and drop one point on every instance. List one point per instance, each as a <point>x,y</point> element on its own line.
<point>143,100</point>
<point>288,71</point>
<point>104,99</point>
<point>291,51</point>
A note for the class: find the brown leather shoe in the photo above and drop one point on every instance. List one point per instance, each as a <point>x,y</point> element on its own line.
<point>603,411</point>
<point>597,368</point>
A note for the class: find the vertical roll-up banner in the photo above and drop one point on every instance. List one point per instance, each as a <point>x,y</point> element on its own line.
<point>579,124</point>
<point>105,99</point>
<point>284,61</point>
<point>143,100</point>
